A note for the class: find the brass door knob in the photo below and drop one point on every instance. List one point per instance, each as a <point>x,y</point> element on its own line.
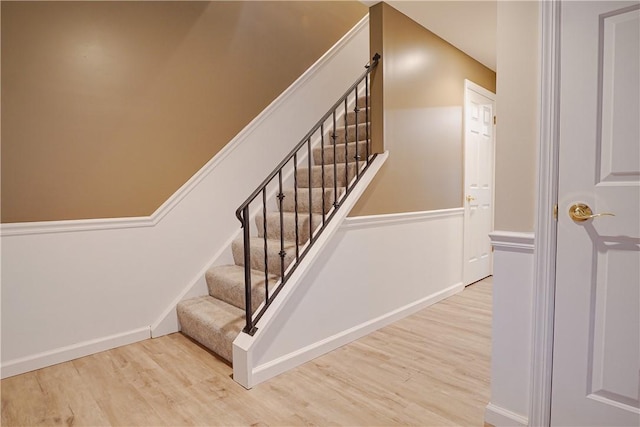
<point>580,212</point>
<point>470,198</point>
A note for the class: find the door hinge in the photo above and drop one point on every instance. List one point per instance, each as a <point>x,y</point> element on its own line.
<point>494,120</point>
<point>555,211</point>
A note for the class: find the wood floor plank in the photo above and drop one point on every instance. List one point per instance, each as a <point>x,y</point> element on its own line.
<point>429,369</point>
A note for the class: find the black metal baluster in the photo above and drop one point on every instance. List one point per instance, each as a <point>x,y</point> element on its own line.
<point>335,163</point>
<point>295,201</point>
<point>310,192</point>
<point>356,110</point>
<point>249,329</point>
<point>280,197</point>
<point>346,145</point>
<point>322,161</point>
<point>366,113</point>
<point>264,226</point>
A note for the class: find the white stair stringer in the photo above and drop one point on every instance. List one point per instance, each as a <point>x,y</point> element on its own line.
<point>245,371</point>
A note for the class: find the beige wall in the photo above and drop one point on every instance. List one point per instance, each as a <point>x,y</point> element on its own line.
<point>423,90</point>
<point>516,132</point>
<point>109,107</point>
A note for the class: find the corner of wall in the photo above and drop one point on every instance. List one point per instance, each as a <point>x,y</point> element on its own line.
<point>512,327</point>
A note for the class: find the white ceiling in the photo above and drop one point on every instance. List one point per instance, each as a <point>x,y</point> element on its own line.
<point>468,25</point>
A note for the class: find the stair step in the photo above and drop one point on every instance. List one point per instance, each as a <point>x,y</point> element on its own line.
<point>211,322</point>
<point>316,175</point>
<point>289,201</point>
<point>226,283</point>
<point>289,224</point>
<point>349,133</point>
<point>341,154</point>
<point>257,253</point>
<point>362,101</point>
<point>362,116</point>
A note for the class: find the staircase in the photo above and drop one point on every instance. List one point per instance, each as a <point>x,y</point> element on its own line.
<point>290,209</point>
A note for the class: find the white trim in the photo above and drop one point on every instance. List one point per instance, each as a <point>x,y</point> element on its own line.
<point>43,227</point>
<point>468,84</point>
<point>499,417</point>
<point>296,358</point>
<point>359,222</point>
<point>546,225</point>
<point>512,240</point>
<point>64,354</point>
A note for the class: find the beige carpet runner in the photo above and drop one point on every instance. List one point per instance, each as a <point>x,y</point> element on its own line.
<point>215,320</point>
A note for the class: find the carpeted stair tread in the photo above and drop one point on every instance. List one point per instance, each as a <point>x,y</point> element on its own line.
<point>348,134</point>
<point>289,225</point>
<point>211,322</point>
<point>257,253</point>
<point>226,283</point>
<point>341,178</point>
<point>342,152</point>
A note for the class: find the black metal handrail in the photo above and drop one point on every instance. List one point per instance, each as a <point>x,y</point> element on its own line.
<point>293,159</point>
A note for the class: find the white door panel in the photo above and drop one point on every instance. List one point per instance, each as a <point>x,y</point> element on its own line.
<point>596,357</point>
<point>479,159</point>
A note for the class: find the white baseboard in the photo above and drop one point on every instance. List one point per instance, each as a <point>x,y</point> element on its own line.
<point>64,354</point>
<point>500,417</point>
<point>296,358</point>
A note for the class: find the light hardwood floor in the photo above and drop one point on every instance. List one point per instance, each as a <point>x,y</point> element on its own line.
<point>430,369</point>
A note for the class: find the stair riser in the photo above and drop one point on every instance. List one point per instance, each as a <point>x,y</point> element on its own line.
<point>316,176</point>
<point>257,256</point>
<point>362,101</point>
<point>226,283</point>
<point>362,117</point>
<point>340,153</point>
<point>289,225</point>
<point>289,202</point>
<point>350,132</point>
<point>213,326</point>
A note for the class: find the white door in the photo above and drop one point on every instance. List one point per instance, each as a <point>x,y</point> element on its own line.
<point>596,353</point>
<point>479,144</point>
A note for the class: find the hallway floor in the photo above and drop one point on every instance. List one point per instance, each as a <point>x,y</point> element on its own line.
<point>429,369</point>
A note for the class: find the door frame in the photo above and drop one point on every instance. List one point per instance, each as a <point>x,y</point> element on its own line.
<point>470,85</point>
<point>546,224</point>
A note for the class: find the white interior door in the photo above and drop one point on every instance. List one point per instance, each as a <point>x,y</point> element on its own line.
<point>479,141</point>
<point>596,353</point>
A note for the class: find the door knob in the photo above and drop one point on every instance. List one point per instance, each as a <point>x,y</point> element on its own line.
<point>580,212</point>
<point>470,198</point>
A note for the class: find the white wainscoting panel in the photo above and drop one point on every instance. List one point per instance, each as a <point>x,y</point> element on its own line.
<point>375,270</point>
<point>511,328</point>
<point>70,284</point>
